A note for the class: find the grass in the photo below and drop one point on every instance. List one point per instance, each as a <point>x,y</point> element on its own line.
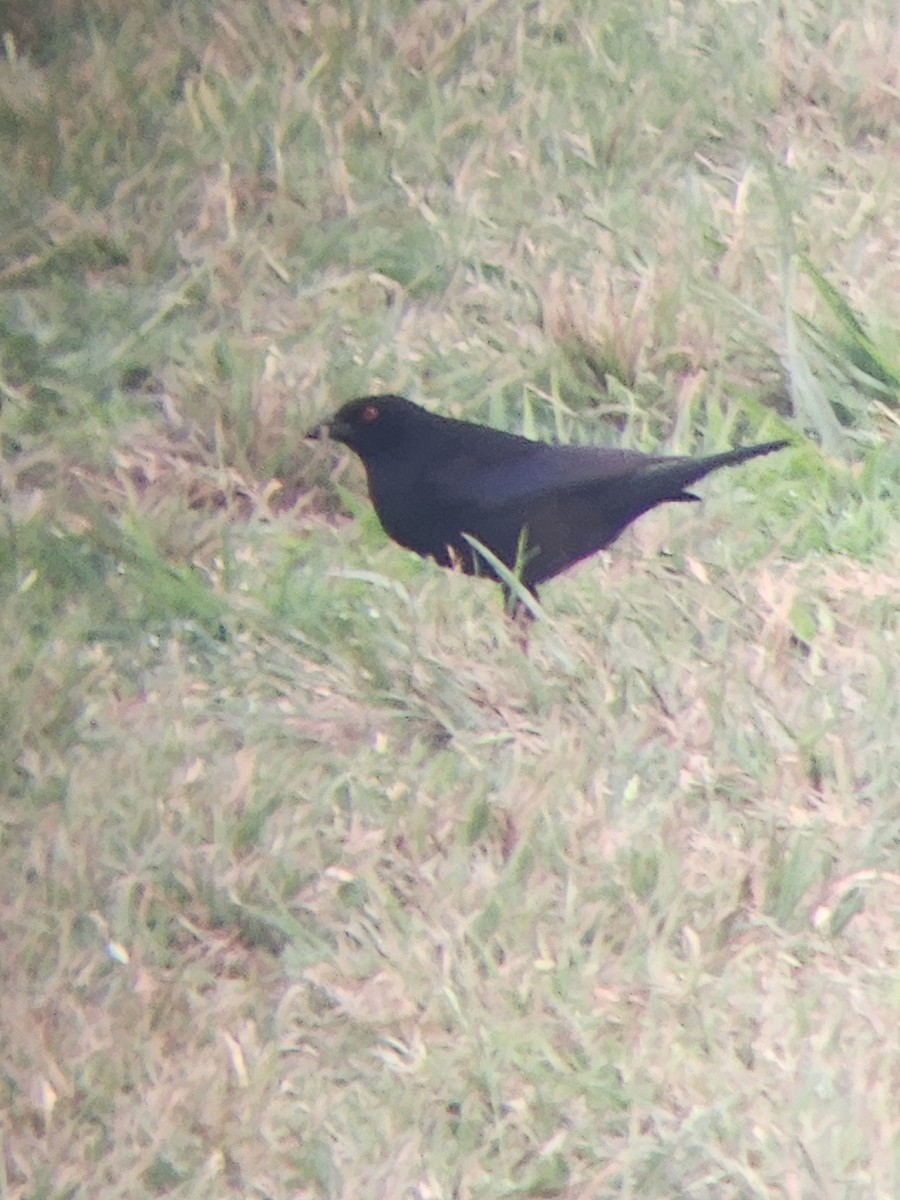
<point>313,883</point>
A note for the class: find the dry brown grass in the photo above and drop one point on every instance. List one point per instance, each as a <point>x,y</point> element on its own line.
<point>313,883</point>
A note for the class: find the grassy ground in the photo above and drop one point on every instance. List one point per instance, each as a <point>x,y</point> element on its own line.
<point>313,884</point>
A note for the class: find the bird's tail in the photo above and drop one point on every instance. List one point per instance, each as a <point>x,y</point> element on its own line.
<point>730,457</point>
<point>672,476</point>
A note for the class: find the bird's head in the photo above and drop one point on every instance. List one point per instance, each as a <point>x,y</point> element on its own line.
<point>374,424</point>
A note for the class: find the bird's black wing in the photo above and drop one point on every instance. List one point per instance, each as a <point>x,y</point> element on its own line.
<point>570,500</point>
<point>506,473</point>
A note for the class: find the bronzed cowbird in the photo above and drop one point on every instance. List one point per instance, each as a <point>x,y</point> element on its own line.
<point>538,507</point>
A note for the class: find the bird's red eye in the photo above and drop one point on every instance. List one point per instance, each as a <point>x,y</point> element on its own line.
<point>370,414</point>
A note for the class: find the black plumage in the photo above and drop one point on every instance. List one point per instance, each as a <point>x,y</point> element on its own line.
<point>432,479</point>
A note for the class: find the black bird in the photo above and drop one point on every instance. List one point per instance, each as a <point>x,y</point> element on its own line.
<point>539,508</point>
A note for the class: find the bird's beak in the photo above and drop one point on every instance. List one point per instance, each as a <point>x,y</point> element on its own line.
<point>337,431</point>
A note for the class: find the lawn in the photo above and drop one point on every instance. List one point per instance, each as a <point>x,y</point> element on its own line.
<point>315,883</point>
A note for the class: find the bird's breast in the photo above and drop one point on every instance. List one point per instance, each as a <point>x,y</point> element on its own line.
<point>407,507</point>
